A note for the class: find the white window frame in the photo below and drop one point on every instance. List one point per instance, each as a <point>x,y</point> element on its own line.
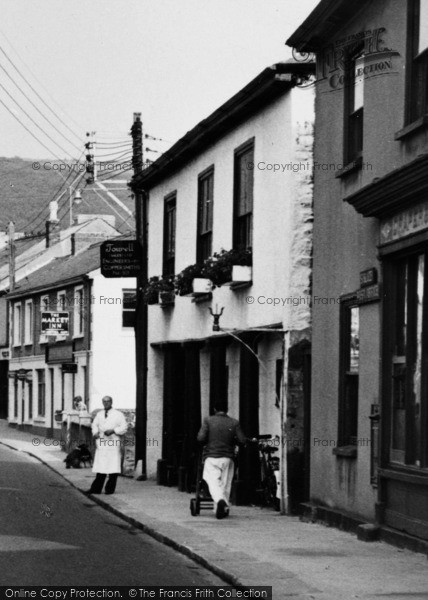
<point>60,308</point>
<point>44,308</point>
<point>17,326</point>
<point>28,322</point>
<point>78,313</point>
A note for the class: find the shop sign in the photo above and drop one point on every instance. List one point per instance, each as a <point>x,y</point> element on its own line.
<point>367,294</point>
<point>21,374</point>
<point>54,323</point>
<point>69,367</point>
<point>406,222</point>
<point>368,277</point>
<point>120,258</point>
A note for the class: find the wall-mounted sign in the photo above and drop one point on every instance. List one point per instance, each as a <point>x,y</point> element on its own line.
<point>69,367</point>
<point>120,258</point>
<point>367,294</point>
<point>368,277</point>
<point>406,222</point>
<point>21,374</point>
<point>54,323</point>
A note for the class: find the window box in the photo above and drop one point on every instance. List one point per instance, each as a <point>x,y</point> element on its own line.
<point>166,298</point>
<point>155,287</point>
<point>201,285</point>
<point>229,266</point>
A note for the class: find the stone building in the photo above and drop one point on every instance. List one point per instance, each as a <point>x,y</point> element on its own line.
<point>369,418</point>
<point>237,187</point>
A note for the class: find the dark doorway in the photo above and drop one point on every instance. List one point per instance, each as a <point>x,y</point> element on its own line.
<point>4,388</point>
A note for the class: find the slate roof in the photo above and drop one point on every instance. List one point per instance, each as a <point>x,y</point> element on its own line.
<point>60,272</point>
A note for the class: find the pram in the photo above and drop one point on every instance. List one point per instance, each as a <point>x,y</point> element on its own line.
<point>202,499</point>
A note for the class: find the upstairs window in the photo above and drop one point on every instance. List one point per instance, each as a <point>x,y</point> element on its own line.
<point>17,324</point>
<point>78,312</point>
<point>28,322</point>
<point>169,225</point>
<point>129,306</point>
<point>417,83</point>
<point>205,215</point>
<point>243,196</point>
<point>354,107</point>
<point>61,301</point>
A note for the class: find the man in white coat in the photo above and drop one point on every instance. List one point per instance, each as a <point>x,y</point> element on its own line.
<point>109,424</point>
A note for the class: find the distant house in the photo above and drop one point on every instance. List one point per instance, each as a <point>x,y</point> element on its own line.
<point>31,255</point>
<point>92,356</point>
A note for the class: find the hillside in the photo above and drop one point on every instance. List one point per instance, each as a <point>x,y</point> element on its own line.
<point>25,192</point>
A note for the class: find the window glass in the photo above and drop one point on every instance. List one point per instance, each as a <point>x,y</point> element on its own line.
<point>423,26</point>
<point>129,305</point>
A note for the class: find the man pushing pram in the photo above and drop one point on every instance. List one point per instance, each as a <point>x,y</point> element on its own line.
<point>220,434</point>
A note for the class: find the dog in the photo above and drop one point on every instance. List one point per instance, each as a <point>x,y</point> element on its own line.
<point>79,455</point>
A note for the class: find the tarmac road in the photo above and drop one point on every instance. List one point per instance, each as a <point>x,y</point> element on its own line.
<point>50,534</point>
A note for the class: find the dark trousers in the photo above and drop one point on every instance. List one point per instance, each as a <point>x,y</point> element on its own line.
<point>97,484</point>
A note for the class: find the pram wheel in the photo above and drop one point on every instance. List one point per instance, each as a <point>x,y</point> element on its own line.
<point>195,507</point>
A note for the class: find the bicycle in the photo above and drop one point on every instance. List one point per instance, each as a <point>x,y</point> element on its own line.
<point>269,471</point>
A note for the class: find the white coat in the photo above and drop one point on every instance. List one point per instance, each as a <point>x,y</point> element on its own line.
<point>108,448</point>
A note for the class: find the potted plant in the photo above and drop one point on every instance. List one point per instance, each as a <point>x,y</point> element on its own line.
<point>155,287</point>
<point>192,280</point>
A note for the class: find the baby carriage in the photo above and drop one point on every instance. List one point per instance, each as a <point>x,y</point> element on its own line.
<point>202,499</point>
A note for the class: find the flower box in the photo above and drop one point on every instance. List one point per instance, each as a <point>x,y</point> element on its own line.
<point>201,285</point>
<point>166,298</point>
<point>241,274</point>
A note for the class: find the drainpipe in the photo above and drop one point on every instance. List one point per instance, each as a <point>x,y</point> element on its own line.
<point>284,508</point>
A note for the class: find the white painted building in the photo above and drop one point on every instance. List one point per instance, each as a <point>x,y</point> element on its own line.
<point>241,179</point>
<point>93,357</point>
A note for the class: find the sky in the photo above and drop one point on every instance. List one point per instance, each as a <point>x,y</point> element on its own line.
<point>96,63</point>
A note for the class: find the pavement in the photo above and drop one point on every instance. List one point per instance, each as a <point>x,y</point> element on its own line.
<point>254,546</point>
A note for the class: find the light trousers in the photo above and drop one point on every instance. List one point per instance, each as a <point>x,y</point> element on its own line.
<point>218,473</point>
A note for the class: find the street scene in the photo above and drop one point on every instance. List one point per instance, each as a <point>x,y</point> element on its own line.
<point>213,343</point>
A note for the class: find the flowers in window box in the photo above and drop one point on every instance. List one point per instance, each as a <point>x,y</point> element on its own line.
<point>184,281</point>
<point>219,268</point>
<point>155,286</point>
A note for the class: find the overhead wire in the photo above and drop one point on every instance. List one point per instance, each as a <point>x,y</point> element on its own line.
<point>35,106</point>
<point>33,121</point>
<point>35,91</point>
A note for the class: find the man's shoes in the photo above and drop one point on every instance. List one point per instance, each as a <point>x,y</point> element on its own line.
<point>222,509</point>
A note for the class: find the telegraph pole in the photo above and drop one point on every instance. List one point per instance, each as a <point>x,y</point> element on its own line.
<point>141,312</point>
<point>12,253</point>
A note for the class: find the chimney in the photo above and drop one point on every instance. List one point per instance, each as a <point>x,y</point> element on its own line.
<point>53,231</point>
<point>80,241</point>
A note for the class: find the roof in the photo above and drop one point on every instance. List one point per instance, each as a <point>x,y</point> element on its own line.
<point>323,22</point>
<point>60,272</point>
<point>261,91</point>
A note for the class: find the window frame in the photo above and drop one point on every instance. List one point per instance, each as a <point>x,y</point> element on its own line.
<point>347,434</point>
<point>78,312</point>
<point>204,236</point>
<point>129,310</point>
<point>168,255</point>
<point>29,327</point>
<point>41,392</point>
<point>59,295</point>
<point>353,138</point>
<point>17,327</point>
<point>243,224</point>
<point>417,69</point>
<point>395,457</point>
